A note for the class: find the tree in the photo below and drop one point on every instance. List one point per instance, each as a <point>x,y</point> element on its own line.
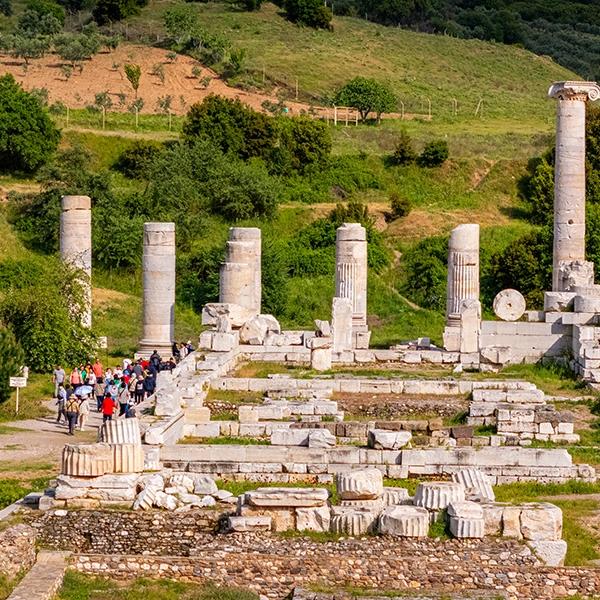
<point>250,5</point>
<point>135,161</point>
<point>108,11</point>
<point>312,13</point>
<point>538,191</point>
<point>404,153</point>
<point>434,154</point>
<point>133,74</point>
<point>231,126</point>
<point>28,137</point>
<point>12,358</point>
<point>29,48</point>
<point>367,96</point>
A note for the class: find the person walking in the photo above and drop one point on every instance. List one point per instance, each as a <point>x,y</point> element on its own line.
<point>72,411</point>
<point>61,400</point>
<point>108,408</point>
<point>155,360</point>
<point>99,389</point>
<point>84,411</point>
<point>124,398</point>
<point>75,378</point>
<point>150,383</point>
<point>58,379</point>
<point>139,389</point>
<point>97,368</point>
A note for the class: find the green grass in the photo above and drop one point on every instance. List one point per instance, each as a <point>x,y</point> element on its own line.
<point>39,388</point>
<point>512,81</point>
<point>440,529</point>
<point>234,397</point>
<point>526,491</point>
<point>84,587</point>
<point>582,544</point>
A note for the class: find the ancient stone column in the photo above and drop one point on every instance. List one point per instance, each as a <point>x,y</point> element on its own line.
<point>158,264</point>
<point>569,179</point>
<point>76,244</point>
<point>351,276</point>
<point>240,276</point>
<point>463,287</point>
<point>463,269</point>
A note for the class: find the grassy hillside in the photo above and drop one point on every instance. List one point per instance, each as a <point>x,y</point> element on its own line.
<point>511,81</point>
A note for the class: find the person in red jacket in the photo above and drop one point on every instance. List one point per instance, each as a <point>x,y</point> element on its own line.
<point>108,408</point>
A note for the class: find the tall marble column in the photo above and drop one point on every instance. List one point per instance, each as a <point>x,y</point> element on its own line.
<point>158,264</point>
<point>463,283</point>
<point>351,276</point>
<point>240,276</point>
<point>76,244</point>
<point>569,182</point>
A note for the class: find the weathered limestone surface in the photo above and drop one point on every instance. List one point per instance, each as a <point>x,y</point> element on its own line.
<point>569,184</point>
<point>380,439</point>
<point>240,277</point>
<point>121,431</point>
<point>404,521</point>
<point>158,265</point>
<point>476,483</point>
<point>466,519</point>
<point>351,274</point>
<point>463,290</point>
<point>353,521</point>
<point>256,329</point>
<point>394,496</point>
<point>551,553</point>
<point>313,519</point>
<point>436,495</point>
<point>509,305</point>
<point>87,460</point>
<point>76,243</point>
<point>128,458</point>
<point>245,524</point>
<point>287,497</point>
<point>341,324</point>
<point>365,484</point>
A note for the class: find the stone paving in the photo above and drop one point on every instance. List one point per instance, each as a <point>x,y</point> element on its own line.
<point>44,579</point>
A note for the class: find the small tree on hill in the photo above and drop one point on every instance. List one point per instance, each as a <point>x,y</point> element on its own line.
<point>434,154</point>
<point>367,96</point>
<point>404,153</point>
<point>133,74</point>
<point>312,13</point>
<point>27,134</point>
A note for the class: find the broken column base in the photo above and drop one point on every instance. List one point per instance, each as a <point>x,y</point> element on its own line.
<point>147,347</point>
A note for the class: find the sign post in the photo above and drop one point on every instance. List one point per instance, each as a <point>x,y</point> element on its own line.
<point>18,382</point>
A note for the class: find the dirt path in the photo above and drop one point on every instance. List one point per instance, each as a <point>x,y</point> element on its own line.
<point>42,439</point>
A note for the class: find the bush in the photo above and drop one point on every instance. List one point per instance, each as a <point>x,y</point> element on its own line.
<point>311,13</point>
<point>135,162</point>
<point>28,137</point>
<point>538,191</point>
<point>404,153</point>
<point>107,11</point>
<point>434,154</point>
<point>367,96</point>
<point>231,126</point>
<point>11,361</point>
<point>399,205</point>
<point>250,5</point>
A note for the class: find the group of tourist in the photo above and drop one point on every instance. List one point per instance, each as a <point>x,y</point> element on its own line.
<point>111,391</point>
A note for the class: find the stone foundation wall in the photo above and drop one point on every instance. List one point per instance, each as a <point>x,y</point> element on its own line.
<point>18,549</point>
<point>294,463</point>
<point>273,566</point>
<point>156,533</point>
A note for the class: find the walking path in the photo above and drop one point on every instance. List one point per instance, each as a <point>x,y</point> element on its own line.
<point>44,579</point>
<point>42,439</point>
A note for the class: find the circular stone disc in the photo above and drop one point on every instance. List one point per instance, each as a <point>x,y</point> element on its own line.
<point>509,305</point>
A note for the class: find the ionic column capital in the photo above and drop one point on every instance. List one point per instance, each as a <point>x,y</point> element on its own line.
<point>574,90</point>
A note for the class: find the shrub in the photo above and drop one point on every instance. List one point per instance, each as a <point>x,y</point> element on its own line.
<point>404,153</point>
<point>311,13</point>
<point>107,11</point>
<point>231,126</point>
<point>538,191</point>
<point>250,5</point>
<point>434,154</point>
<point>11,361</point>
<point>28,137</point>
<point>399,205</point>
<point>133,74</point>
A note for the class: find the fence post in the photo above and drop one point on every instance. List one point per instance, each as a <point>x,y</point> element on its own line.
<point>401,110</point>
<point>335,115</point>
<point>347,115</point>
<point>429,107</point>
<point>67,116</point>
<point>296,88</point>
<point>103,118</point>
<point>136,117</point>
<point>479,109</point>
<point>169,120</point>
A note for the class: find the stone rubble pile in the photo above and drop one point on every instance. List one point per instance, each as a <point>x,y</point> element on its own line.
<point>521,416</point>
<point>367,507</point>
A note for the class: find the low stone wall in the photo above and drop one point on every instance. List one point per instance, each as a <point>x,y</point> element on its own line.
<point>274,566</point>
<point>359,385</point>
<point>18,549</point>
<point>156,533</point>
<point>288,464</point>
